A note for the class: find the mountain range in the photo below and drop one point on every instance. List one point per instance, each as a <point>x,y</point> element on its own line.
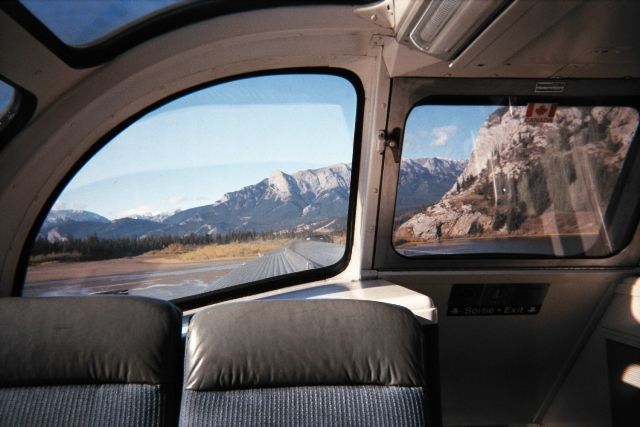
<point>314,200</point>
<point>423,181</point>
<point>530,179</point>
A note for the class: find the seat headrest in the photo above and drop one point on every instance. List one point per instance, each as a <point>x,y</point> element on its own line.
<point>301,343</point>
<point>88,340</point>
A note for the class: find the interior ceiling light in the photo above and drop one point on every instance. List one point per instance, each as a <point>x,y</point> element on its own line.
<point>446,27</point>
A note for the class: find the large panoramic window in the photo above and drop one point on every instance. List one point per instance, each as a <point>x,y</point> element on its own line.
<point>533,178</point>
<point>242,181</point>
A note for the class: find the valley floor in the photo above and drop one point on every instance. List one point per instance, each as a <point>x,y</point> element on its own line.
<point>74,278</point>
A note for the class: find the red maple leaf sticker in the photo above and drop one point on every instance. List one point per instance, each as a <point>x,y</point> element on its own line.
<point>541,110</point>
<point>540,113</point>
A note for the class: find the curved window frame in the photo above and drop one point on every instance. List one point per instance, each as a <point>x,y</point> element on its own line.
<point>244,289</point>
<point>409,93</point>
<point>505,101</point>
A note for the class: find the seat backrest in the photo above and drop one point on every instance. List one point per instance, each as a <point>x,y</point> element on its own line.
<point>305,362</point>
<point>97,360</point>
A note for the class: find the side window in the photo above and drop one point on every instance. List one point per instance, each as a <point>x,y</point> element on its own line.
<point>7,103</point>
<point>16,107</point>
<point>242,181</point>
<point>529,178</point>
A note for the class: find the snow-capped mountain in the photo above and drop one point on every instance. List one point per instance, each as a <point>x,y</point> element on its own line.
<point>307,200</point>
<point>159,217</point>
<point>424,181</point>
<point>62,223</point>
<point>81,226</point>
<point>60,216</point>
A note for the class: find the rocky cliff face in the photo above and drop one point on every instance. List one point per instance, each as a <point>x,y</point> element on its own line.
<point>532,178</point>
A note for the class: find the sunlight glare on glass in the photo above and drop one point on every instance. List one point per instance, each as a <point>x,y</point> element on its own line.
<point>631,375</point>
<point>84,22</point>
<point>635,301</point>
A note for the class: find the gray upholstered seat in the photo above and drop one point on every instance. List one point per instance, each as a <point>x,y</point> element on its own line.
<point>314,362</point>
<point>103,360</point>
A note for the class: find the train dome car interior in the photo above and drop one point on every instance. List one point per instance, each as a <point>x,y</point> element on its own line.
<point>320,212</point>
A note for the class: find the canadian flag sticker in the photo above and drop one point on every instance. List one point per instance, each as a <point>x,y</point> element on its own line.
<point>540,113</point>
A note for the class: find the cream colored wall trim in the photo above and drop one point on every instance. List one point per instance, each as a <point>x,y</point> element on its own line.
<point>369,290</point>
<point>622,319</point>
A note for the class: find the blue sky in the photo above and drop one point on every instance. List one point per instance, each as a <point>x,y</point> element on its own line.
<point>445,131</point>
<point>79,22</point>
<point>191,151</point>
